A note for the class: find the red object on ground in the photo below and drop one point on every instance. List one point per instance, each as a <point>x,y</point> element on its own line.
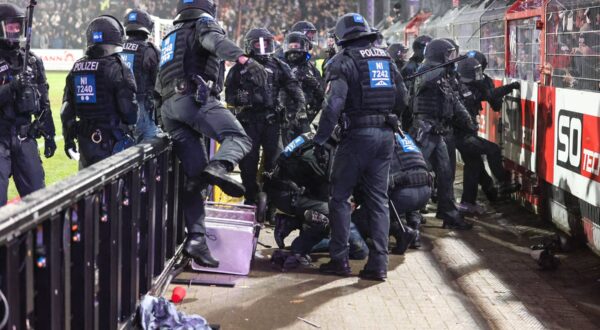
<point>178,294</point>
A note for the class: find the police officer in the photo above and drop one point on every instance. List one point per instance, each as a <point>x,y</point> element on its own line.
<point>306,28</point>
<point>436,106</point>
<point>494,96</point>
<point>409,191</point>
<point>296,49</point>
<point>23,96</point>
<point>472,147</point>
<point>100,92</point>
<point>410,68</point>
<point>259,105</point>
<point>331,48</point>
<point>142,57</point>
<point>418,47</point>
<point>189,81</point>
<point>398,52</point>
<point>299,186</point>
<point>363,88</point>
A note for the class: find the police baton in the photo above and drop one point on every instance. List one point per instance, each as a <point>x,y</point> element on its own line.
<point>397,216</point>
<point>30,7</point>
<point>439,66</point>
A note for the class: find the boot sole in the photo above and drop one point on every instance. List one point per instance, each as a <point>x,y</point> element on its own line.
<point>228,185</point>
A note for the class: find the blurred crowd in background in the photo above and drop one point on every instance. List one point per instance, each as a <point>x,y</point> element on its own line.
<point>62,23</point>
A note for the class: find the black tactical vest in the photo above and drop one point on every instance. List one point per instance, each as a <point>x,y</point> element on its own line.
<point>432,94</point>
<point>407,155</point>
<point>8,72</point>
<point>264,98</point>
<point>376,90</point>
<point>133,56</point>
<point>90,85</point>
<point>182,57</point>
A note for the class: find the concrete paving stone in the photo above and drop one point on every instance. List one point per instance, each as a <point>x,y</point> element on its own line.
<point>458,280</point>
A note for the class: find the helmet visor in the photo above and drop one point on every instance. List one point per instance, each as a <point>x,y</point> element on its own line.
<point>478,73</point>
<point>311,35</point>
<point>13,29</point>
<point>263,46</point>
<point>296,46</point>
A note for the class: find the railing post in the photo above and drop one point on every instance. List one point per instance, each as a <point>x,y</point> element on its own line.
<point>49,289</point>
<point>109,258</point>
<point>131,248</point>
<point>84,277</point>
<point>162,181</point>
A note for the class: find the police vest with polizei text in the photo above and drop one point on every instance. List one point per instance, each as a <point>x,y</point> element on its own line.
<point>407,156</point>
<point>133,56</point>
<point>376,81</point>
<point>90,85</point>
<point>182,57</point>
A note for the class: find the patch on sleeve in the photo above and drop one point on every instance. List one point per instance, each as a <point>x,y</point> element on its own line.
<point>379,72</point>
<point>407,143</point>
<point>85,88</point>
<point>295,144</point>
<point>167,51</point>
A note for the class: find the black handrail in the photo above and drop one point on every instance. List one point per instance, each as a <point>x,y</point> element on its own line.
<point>80,253</point>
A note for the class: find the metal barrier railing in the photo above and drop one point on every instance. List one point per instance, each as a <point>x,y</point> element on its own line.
<point>80,253</point>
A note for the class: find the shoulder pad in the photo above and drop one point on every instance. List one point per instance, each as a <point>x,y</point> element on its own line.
<point>206,24</point>
<point>283,66</point>
<point>333,69</point>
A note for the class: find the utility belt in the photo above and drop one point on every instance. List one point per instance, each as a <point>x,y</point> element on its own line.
<point>257,114</point>
<point>411,179</point>
<point>381,120</point>
<point>195,85</point>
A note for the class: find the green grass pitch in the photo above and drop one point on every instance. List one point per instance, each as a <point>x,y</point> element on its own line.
<point>59,166</point>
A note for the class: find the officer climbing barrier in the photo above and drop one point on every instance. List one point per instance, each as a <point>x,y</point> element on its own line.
<point>81,253</point>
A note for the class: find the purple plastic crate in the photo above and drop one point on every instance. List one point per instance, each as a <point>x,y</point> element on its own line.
<point>232,233</point>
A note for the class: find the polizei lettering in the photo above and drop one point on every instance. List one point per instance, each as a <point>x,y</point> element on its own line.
<point>373,52</point>
<point>130,46</point>
<point>86,66</point>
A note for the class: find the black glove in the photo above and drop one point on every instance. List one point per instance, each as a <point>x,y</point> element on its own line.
<point>21,80</point>
<point>515,85</point>
<point>49,147</point>
<point>310,82</point>
<point>321,154</point>
<point>257,72</point>
<point>70,144</point>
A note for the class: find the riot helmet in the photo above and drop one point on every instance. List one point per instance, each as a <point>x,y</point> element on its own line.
<point>193,9</point>
<point>480,57</point>
<point>353,26</point>
<point>105,36</point>
<point>398,52</point>
<point>439,51</point>
<point>380,40</point>
<point>296,47</point>
<point>12,26</point>
<point>260,44</point>
<point>306,28</point>
<point>138,20</point>
<point>456,47</point>
<point>470,70</point>
<point>419,45</point>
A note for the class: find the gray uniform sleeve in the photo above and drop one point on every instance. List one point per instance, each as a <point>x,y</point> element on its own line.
<point>212,38</point>
<point>292,88</point>
<point>335,99</point>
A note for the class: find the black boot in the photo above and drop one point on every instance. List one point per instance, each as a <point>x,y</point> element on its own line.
<point>284,225</point>
<point>414,221</point>
<point>457,223</point>
<point>507,188</point>
<point>216,174</point>
<point>339,267</point>
<point>196,248</point>
<point>373,275</point>
<point>404,240</point>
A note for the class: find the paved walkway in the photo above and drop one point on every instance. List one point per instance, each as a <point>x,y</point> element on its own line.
<point>459,280</point>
